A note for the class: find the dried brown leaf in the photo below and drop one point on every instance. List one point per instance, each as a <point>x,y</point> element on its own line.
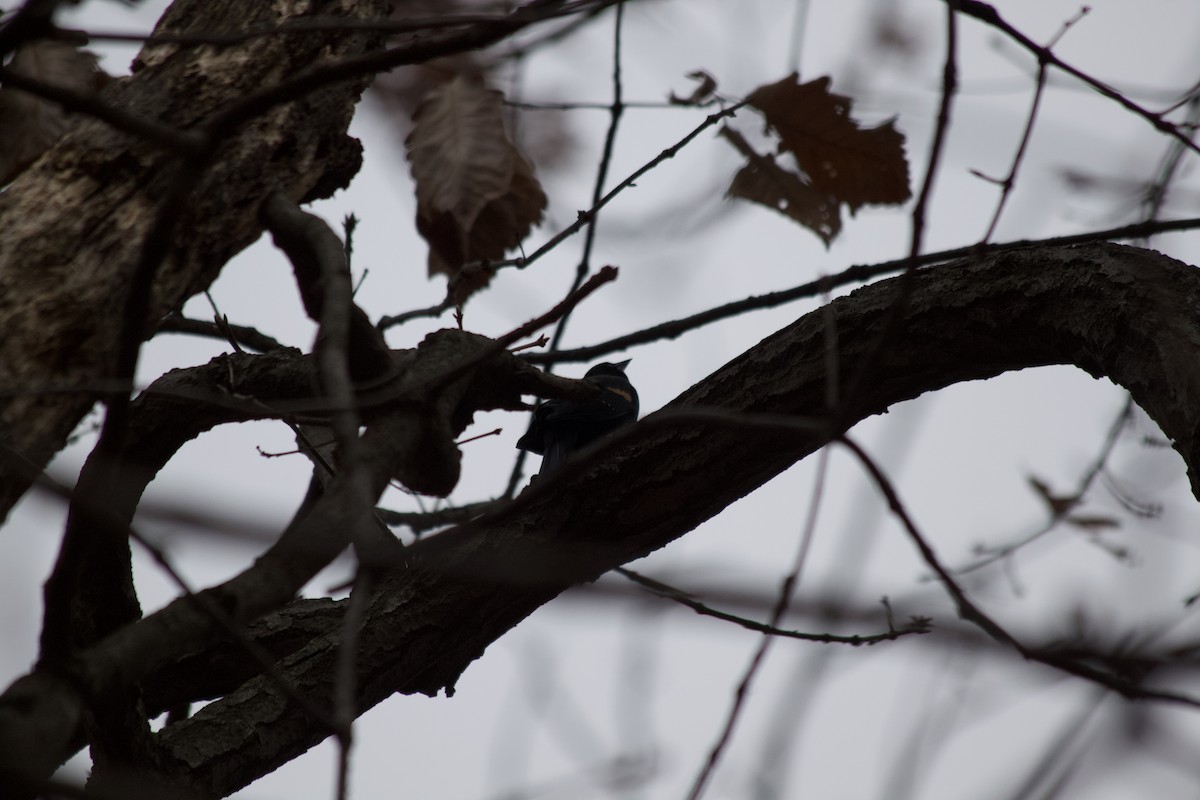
<point>28,124</point>
<point>856,166</point>
<point>1093,523</point>
<point>706,87</point>
<point>763,181</point>
<point>477,196</point>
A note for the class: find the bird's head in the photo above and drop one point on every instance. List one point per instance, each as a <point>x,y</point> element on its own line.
<point>608,368</point>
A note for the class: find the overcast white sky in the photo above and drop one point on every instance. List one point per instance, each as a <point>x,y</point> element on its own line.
<point>588,680</point>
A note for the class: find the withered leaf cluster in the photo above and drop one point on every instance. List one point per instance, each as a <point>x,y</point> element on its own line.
<point>839,163</point>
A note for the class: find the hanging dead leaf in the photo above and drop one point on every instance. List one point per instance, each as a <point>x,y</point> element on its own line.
<point>856,166</point>
<point>703,94</point>
<point>29,124</point>
<point>477,197</point>
<point>763,181</point>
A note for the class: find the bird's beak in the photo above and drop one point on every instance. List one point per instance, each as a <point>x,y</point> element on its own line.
<point>621,365</point>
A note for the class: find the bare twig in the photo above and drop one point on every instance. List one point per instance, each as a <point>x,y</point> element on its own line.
<point>860,273</point>
<point>1096,468</point>
<point>603,276</point>
<point>895,312</point>
<point>421,521</point>
<point>581,220</point>
<point>610,140</point>
<point>616,108</point>
<point>988,14</point>
<point>949,88</point>
<point>244,335</point>
<point>782,601</point>
<point>973,614</point>
<point>684,599</point>
<point>1009,181</point>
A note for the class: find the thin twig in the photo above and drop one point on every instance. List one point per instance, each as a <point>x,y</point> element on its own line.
<point>581,270</point>
<point>988,14</point>
<point>1156,196</point>
<point>656,105</point>
<point>859,273</point>
<point>684,599</point>
<point>895,313</point>
<point>1009,181</point>
<point>1085,483</point>
<point>603,276</point>
<point>949,88</point>
<point>777,614</point>
<point>583,218</point>
<point>586,216</point>
<point>244,335</point>
<point>970,612</point>
<point>610,140</point>
<point>421,521</point>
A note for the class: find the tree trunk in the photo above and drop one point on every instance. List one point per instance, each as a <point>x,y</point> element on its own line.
<point>76,223</point>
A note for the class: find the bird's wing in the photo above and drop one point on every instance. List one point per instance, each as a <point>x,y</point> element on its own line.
<point>613,402</point>
<point>534,439</point>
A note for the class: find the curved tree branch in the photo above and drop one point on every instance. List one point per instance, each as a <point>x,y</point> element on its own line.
<point>1113,311</point>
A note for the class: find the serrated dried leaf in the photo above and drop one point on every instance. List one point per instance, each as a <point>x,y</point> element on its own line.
<point>28,124</point>
<point>763,181</point>
<point>477,197</point>
<point>857,166</point>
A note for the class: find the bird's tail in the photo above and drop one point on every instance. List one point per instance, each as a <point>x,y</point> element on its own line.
<point>556,454</point>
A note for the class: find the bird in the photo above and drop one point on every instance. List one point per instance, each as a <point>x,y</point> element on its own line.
<point>562,427</point>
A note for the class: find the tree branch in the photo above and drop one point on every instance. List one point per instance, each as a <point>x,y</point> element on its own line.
<point>1110,310</point>
<point>113,185</point>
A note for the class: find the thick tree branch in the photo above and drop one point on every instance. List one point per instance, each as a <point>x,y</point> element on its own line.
<point>413,440</point>
<point>322,273</point>
<point>1113,311</point>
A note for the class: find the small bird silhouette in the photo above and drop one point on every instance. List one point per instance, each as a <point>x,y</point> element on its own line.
<point>560,427</point>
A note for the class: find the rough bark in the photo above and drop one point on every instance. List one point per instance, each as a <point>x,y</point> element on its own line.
<point>1127,314</point>
<point>76,222</point>
<point>1113,311</point>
